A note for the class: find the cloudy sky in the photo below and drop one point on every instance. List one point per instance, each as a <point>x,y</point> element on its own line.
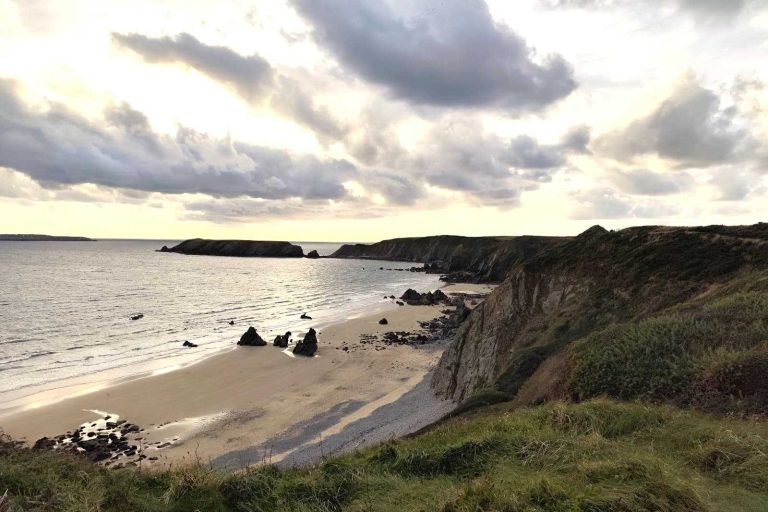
<point>366,119</point>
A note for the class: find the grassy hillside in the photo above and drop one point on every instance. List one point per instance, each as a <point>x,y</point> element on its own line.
<point>625,371</point>
<point>595,456</point>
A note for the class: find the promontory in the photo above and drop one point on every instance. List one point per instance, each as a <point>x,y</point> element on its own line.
<point>241,248</point>
<point>43,238</point>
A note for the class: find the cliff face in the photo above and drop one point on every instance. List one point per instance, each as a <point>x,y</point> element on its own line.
<point>241,248</point>
<point>598,278</point>
<point>485,259</point>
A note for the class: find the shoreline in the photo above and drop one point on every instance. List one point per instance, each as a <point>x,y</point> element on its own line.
<point>72,387</point>
<point>248,396</point>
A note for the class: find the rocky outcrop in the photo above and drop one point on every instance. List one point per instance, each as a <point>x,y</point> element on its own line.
<point>282,341</point>
<point>307,346</point>
<point>596,279</point>
<point>481,259</point>
<point>313,255</point>
<point>251,339</point>
<point>414,298</point>
<point>240,248</point>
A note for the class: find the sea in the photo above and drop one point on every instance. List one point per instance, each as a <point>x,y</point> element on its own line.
<point>66,308</point>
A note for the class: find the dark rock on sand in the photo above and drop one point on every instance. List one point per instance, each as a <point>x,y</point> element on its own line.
<point>137,317</point>
<point>400,303</point>
<point>282,341</point>
<point>313,255</point>
<point>231,322</point>
<point>383,321</point>
<point>415,298</point>
<point>307,346</point>
<point>189,344</point>
<point>251,339</point>
<point>305,316</point>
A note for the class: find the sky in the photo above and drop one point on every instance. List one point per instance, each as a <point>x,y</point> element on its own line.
<point>361,120</point>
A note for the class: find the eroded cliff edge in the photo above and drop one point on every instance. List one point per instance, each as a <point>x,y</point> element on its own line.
<point>520,335</point>
<point>481,259</point>
<point>240,248</point>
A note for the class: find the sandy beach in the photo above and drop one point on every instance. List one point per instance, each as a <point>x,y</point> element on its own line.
<point>260,403</point>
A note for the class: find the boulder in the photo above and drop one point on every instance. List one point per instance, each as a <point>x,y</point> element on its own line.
<point>137,317</point>
<point>307,346</point>
<point>189,344</point>
<point>251,339</point>
<point>411,295</point>
<point>282,341</point>
<point>305,316</point>
<point>313,255</point>
<point>415,298</point>
<point>231,322</point>
<point>383,321</point>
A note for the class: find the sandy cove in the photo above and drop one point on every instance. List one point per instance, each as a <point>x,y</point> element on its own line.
<point>255,403</point>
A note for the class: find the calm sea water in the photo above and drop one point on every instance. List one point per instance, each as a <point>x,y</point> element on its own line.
<point>65,307</point>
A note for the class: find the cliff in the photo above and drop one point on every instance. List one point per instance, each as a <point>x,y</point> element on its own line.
<point>526,329</point>
<point>483,259</point>
<point>241,248</point>
<point>43,238</point>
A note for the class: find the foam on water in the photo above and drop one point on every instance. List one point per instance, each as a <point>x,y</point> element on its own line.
<point>66,307</point>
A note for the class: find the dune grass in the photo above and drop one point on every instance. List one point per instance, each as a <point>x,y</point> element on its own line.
<point>596,456</point>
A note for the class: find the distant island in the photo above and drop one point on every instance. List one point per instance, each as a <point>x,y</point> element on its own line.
<point>44,238</point>
<point>239,248</point>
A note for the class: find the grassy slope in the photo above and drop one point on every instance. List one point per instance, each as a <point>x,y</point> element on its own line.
<point>598,456</point>
<point>708,352</point>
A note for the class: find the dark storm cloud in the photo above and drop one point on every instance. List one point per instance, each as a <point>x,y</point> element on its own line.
<point>249,75</point>
<point>645,182</point>
<point>691,127</point>
<point>57,148</point>
<point>452,54</point>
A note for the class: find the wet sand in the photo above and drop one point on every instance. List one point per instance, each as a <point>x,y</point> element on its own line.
<point>262,397</point>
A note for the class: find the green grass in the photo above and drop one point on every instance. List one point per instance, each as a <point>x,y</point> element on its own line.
<point>712,354</point>
<point>599,455</point>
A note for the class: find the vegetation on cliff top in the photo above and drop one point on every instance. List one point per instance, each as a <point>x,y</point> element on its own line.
<point>594,456</point>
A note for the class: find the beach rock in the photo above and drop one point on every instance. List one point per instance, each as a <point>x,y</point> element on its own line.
<point>164,249</point>
<point>415,298</point>
<point>137,317</point>
<point>231,322</point>
<point>313,255</point>
<point>305,316</point>
<point>282,341</point>
<point>189,344</point>
<point>383,321</point>
<point>251,339</point>
<point>400,303</point>
<point>307,346</point>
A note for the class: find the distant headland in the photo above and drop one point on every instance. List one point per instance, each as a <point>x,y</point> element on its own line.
<point>44,238</point>
<point>241,248</point>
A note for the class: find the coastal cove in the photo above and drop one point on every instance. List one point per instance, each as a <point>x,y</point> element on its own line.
<point>216,401</point>
<point>67,308</point>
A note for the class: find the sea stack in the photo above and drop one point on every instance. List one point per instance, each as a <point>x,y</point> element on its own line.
<point>307,346</point>
<point>251,339</point>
